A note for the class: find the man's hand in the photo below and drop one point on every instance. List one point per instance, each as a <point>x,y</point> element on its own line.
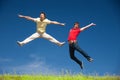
<point>21,16</point>
<point>62,24</point>
<point>93,24</point>
<point>26,17</point>
<point>84,28</point>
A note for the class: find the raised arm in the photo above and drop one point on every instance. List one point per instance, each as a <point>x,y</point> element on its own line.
<point>58,23</point>
<point>26,17</point>
<point>84,28</point>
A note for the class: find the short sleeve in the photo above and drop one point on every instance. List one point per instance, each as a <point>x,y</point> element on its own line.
<point>47,21</point>
<point>36,19</point>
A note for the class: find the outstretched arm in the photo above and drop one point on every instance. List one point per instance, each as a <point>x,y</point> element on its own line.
<point>84,28</point>
<point>26,17</point>
<point>55,22</point>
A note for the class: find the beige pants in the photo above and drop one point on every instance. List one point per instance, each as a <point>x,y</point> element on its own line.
<point>39,35</point>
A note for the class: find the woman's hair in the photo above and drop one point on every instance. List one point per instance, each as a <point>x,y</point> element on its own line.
<point>43,13</point>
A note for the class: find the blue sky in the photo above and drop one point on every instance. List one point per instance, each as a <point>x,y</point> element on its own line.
<point>102,42</point>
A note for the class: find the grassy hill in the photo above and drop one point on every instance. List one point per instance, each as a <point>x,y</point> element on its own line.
<point>57,77</point>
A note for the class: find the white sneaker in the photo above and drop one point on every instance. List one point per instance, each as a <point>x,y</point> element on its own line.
<point>61,43</point>
<point>20,43</point>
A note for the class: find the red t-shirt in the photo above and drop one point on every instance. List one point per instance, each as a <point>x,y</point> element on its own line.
<point>73,34</point>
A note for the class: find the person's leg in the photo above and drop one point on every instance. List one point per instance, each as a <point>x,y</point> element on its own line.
<point>52,39</point>
<point>83,52</point>
<point>72,55</point>
<point>30,38</point>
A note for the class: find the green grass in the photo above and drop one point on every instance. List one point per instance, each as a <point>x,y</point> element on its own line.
<point>57,77</point>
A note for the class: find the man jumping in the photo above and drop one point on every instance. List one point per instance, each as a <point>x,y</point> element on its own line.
<point>73,45</point>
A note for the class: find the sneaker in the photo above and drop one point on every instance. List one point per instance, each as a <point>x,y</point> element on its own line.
<point>90,59</point>
<point>19,43</point>
<point>81,65</point>
<point>61,44</point>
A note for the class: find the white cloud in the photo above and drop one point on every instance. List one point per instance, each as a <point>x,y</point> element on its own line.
<point>35,57</point>
<point>37,66</point>
<point>5,60</point>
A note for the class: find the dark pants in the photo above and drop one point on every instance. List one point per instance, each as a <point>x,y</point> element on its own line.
<point>72,48</point>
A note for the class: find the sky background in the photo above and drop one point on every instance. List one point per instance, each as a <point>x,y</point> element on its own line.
<point>101,42</point>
